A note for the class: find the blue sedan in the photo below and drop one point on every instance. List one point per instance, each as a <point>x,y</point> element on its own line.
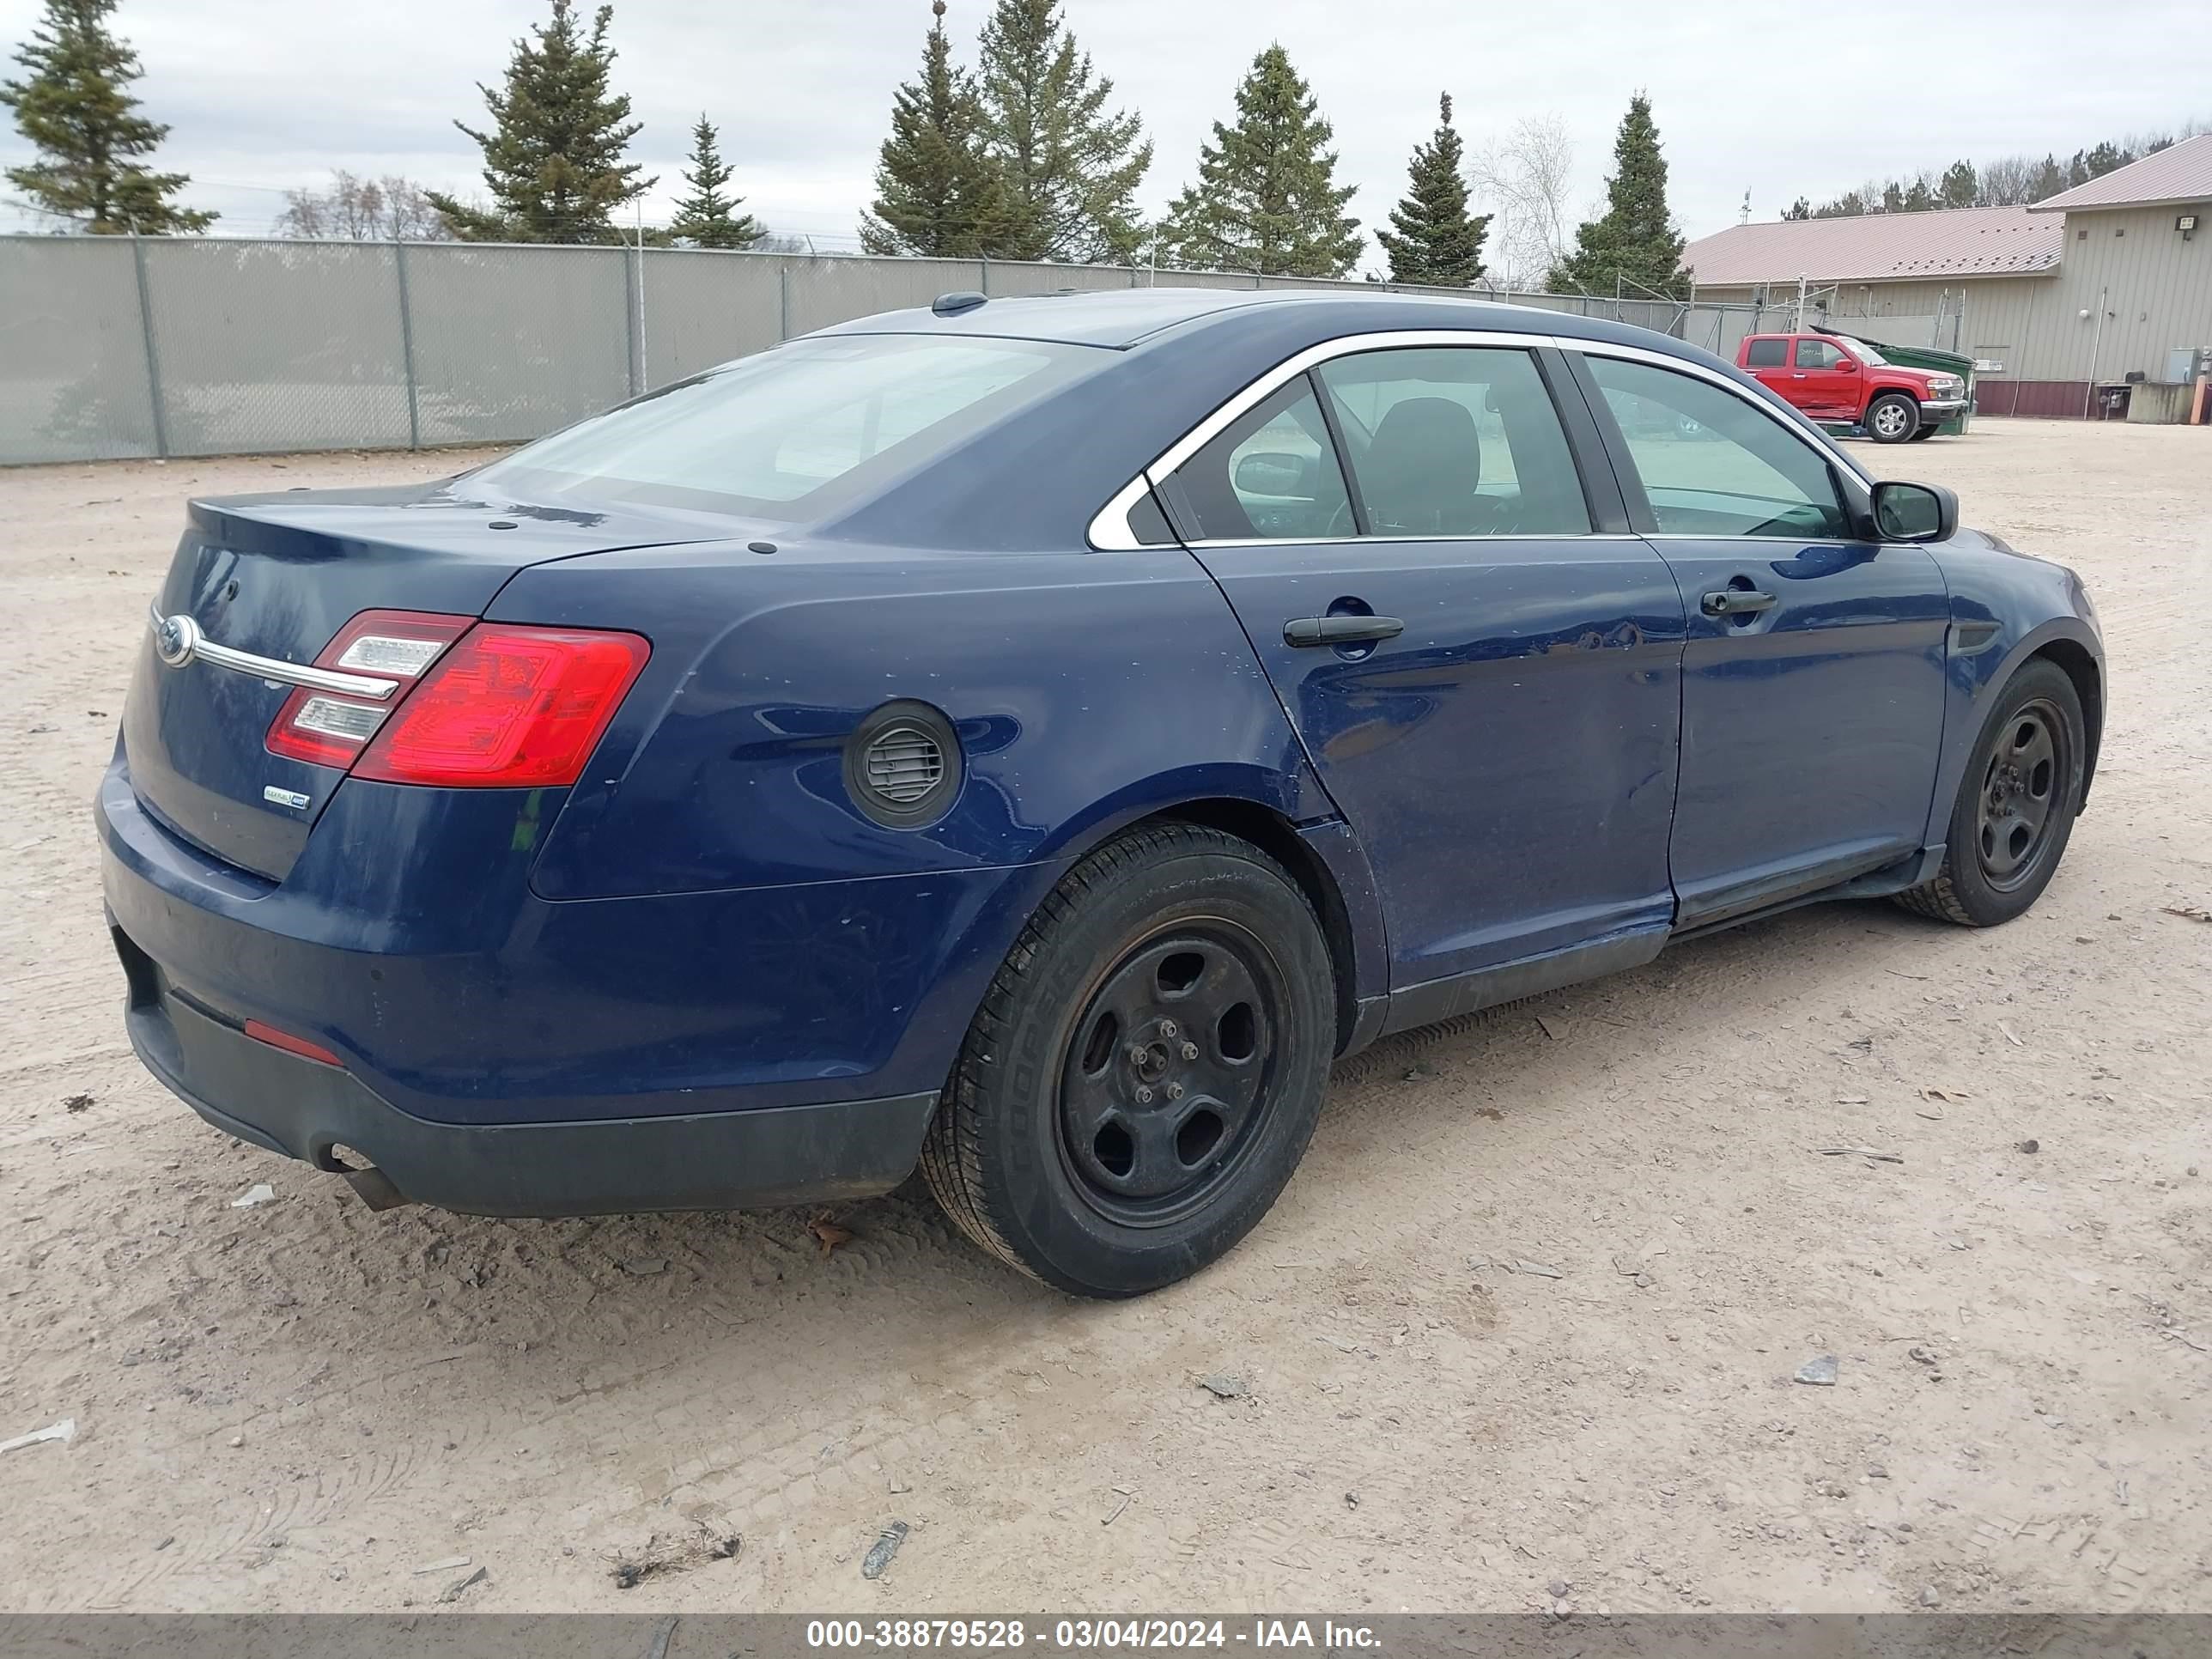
<point>1031,740</point>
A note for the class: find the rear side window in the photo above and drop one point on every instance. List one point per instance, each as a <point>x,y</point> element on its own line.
<point>791,433</point>
<point>1454,441</point>
<point>1270,475</point>
<point>1712,465</point>
<point>1766,353</point>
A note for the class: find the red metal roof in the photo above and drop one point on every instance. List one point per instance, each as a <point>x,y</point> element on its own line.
<point>1881,247</point>
<point>2179,172</point>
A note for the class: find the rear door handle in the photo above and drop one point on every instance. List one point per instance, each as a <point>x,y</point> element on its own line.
<point>1736,602</point>
<point>1344,630</point>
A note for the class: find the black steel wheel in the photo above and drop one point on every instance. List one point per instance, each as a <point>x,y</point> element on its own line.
<point>1170,1071</point>
<point>2017,809</point>
<point>1146,1067</point>
<point>2016,803</point>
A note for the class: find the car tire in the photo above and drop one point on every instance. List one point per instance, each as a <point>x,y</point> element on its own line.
<point>2017,804</point>
<point>1146,1069</point>
<point>1892,419</point>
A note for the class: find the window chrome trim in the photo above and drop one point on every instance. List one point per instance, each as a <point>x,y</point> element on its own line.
<point>1344,346</point>
<point>1109,531</point>
<point>1111,523</point>
<point>178,641</point>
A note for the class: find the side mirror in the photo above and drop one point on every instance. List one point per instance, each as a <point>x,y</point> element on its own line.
<point>1272,472</point>
<point>1849,365</point>
<point>1915,512</point>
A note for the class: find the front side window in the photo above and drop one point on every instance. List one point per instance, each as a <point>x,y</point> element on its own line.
<point>1712,464</point>
<point>1818,354</point>
<point>789,433</point>
<point>1766,353</point>
<point>1270,475</point>
<point>1454,441</point>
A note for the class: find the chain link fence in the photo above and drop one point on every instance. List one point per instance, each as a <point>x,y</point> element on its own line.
<point>116,347</point>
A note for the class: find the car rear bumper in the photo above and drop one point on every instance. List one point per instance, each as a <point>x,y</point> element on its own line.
<point>303,1108</point>
<point>503,1053</point>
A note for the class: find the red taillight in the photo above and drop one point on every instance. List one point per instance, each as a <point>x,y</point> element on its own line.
<point>508,707</point>
<point>330,728</point>
<point>290,1044</point>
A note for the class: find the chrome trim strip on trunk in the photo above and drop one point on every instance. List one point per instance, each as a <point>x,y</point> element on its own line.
<point>178,641</point>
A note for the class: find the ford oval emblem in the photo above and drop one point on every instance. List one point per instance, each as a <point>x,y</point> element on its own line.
<point>174,640</point>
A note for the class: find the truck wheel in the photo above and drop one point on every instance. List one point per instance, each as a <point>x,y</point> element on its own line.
<point>1892,419</point>
<point>2017,804</point>
<point>1146,1070</point>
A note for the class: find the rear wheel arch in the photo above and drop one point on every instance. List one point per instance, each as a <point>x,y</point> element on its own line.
<point>1278,837</point>
<point>1266,827</point>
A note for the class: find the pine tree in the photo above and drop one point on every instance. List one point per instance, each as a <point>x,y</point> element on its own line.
<point>1960,185</point>
<point>937,193</point>
<point>2050,180</point>
<point>2107,157</point>
<point>1438,241</point>
<point>1919,197</point>
<point>74,108</point>
<point>1071,167</point>
<point>1633,244</point>
<point>553,160</point>
<point>1267,198</point>
<point>1799,209</point>
<point>706,218</point>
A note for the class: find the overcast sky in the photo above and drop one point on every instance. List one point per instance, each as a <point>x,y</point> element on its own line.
<point>265,93</point>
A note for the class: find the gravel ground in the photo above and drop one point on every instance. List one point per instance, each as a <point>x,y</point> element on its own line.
<point>304,1406</point>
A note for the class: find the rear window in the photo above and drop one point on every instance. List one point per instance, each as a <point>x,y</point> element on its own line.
<point>1766,353</point>
<point>794,432</point>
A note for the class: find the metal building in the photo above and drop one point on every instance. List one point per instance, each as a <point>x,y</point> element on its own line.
<point>2105,285</point>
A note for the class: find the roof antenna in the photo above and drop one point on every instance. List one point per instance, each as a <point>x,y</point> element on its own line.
<point>1744,218</point>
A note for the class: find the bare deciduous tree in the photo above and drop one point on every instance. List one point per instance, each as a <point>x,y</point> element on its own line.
<point>357,210</point>
<point>1524,178</point>
<point>2008,181</point>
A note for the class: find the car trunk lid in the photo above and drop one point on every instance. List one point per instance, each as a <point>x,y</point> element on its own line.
<point>277,576</point>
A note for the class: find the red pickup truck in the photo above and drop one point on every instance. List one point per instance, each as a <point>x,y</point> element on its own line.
<point>1833,378</point>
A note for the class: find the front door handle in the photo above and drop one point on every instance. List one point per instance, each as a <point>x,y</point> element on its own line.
<point>1344,629</point>
<point>1736,602</point>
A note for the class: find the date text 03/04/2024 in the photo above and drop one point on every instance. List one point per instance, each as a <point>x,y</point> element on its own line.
<point>1083,1634</point>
